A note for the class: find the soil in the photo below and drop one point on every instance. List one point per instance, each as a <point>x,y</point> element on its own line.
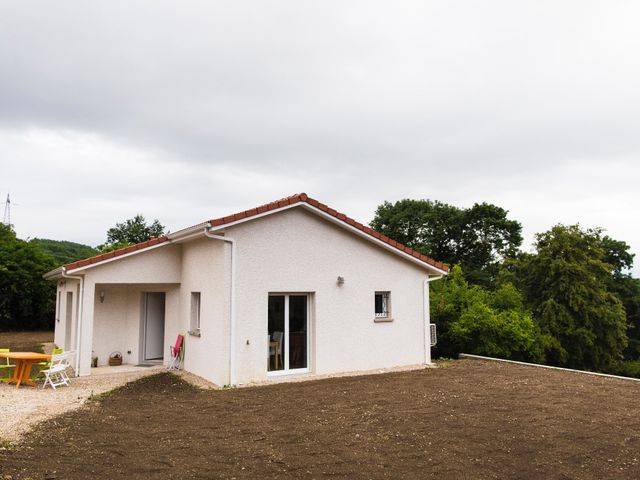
<point>470,419</point>
<point>25,341</point>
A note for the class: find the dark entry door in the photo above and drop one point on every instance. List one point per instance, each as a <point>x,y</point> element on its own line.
<point>154,326</point>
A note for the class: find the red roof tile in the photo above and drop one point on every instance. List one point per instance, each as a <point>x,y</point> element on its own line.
<point>283,202</point>
<point>115,253</point>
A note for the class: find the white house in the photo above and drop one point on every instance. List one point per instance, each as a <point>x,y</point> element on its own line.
<point>291,287</point>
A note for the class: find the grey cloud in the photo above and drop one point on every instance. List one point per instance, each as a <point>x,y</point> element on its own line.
<point>361,101</point>
<point>253,82</point>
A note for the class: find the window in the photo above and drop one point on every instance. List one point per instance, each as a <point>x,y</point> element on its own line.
<point>382,305</point>
<point>195,314</point>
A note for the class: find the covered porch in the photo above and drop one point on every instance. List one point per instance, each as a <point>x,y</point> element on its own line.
<point>136,321</point>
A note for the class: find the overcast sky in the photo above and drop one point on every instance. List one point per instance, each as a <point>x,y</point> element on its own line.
<point>185,111</point>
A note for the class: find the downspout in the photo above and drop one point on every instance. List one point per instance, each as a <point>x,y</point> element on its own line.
<point>78,317</point>
<point>232,305</point>
<point>427,318</point>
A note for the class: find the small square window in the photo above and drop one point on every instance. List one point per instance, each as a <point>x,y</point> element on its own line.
<point>382,304</point>
<point>195,314</point>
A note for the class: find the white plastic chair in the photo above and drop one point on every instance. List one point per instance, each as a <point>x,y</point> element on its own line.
<point>56,374</point>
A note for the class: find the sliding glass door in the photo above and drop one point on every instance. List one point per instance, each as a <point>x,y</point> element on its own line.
<point>288,333</point>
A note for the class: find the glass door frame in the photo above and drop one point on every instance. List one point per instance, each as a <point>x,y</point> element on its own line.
<point>285,348</point>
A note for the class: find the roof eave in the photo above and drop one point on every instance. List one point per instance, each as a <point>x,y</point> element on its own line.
<point>188,233</point>
<point>54,274</point>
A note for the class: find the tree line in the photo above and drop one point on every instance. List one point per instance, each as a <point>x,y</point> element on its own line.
<point>571,302</point>
<point>27,301</point>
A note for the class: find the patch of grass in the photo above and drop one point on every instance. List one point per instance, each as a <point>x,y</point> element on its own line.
<point>98,397</point>
<point>444,362</point>
<point>7,446</point>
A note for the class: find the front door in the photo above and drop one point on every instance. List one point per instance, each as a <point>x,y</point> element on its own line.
<point>153,345</point>
<point>67,321</point>
<point>288,333</point>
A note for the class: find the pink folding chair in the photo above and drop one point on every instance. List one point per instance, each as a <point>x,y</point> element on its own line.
<point>177,354</point>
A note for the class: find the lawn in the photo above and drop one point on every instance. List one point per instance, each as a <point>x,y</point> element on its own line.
<point>471,419</point>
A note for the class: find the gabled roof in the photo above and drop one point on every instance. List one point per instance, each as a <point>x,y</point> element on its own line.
<point>300,199</point>
<point>304,198</point>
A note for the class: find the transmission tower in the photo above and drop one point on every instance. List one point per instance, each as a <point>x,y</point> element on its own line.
<point>7,211</point>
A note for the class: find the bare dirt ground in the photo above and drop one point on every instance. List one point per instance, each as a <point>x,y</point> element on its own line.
<point>22,408</point>
<point>470,420</point>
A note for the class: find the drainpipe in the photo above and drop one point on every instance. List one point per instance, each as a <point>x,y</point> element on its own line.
<point>78,317</point>
<point>427,318</point>
<point>232,302</point>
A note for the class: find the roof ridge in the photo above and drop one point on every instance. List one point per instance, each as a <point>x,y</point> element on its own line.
<point>304,198</point>
<point>283,202</point>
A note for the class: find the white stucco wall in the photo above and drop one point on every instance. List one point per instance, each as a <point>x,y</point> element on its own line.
<point>297,251</point>
<point>205,270</point>
<point>160,265</point>
<point>65,286</point>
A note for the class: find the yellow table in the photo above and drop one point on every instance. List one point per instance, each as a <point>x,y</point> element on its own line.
<point>24,361</point>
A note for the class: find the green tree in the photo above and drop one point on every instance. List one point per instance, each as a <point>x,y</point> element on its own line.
<point>566,284</point>
<point>63,251</point>
<point>26,299</point>
<point>616,254</point>
<point>475,320</point>
<point>131,231</point>
<point>477,238</point>
<point>626,287</point>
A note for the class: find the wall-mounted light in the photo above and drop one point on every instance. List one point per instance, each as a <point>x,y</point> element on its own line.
<point>340,281</point>
<point>101,296</point>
